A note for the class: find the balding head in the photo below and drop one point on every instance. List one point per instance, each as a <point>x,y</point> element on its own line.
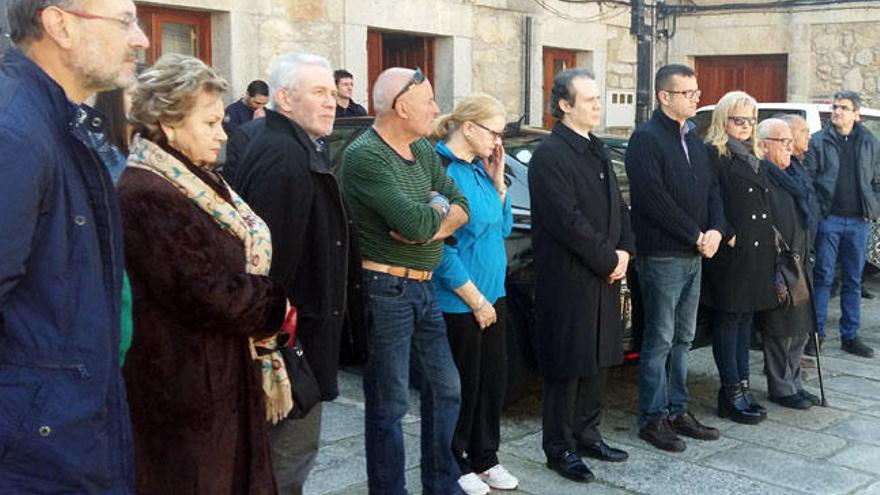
<point>387,86</point>
<point>800,132</point>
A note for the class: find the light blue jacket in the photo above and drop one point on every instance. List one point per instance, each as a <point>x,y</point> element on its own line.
<point>478,254</point>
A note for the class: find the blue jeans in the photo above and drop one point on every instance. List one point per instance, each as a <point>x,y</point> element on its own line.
<point>670,294</point>
<point>844,239</point>
<point>731,338</point>
<point>406,332</point>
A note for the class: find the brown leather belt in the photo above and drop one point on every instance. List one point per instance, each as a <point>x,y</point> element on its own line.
<point>398,271</point>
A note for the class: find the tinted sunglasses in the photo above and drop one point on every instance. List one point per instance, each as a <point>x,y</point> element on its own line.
<point>417,78</point>
<point>743,120</point>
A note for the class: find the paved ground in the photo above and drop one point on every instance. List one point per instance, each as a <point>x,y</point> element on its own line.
<point>831,450</point>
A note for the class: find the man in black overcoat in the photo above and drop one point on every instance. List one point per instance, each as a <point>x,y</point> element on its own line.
<point>283,176</point>
<point>582,245</point>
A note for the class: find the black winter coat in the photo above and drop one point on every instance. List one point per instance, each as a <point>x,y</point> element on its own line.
<point>283,178</point>
<point>797,320</point>
<point>579,220</point>
<point>740,279</point>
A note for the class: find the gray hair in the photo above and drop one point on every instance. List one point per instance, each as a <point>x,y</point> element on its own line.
<point>563,89</point>
<point>25,25</point>
<point>387,86</point>
<point>167,91</point>
<point>766,126</point>
<point>285,72</point>
<point>790,118</point>
<point>851,96</point>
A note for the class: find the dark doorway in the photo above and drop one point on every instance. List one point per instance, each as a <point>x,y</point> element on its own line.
<point>762,76</point>
<point>387,49</point>
<point>555,61</point>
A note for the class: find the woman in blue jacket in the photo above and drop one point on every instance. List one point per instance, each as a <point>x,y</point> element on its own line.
<point>470,286</point>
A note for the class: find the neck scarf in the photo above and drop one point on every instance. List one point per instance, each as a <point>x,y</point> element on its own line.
<point>241,222</point>
<point>797,183</point>
<point>743,151</point>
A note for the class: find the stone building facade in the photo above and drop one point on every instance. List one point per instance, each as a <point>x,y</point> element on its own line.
<point>828,48</point>
<point>479,45</point>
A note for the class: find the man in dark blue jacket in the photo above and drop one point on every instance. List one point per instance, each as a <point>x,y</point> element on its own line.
<point>678,218</point>
<point>844,161</point>
<point>64,424</point>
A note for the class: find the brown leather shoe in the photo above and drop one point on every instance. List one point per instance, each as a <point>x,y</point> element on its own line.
<point>686,424</point>
<point>659,434</point>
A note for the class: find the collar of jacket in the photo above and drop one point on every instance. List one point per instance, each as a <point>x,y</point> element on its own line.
<point>579,143</point>
<point>62,111</point>
<point>279,122</point>
<point>673,126</point>
<point>444,150</point>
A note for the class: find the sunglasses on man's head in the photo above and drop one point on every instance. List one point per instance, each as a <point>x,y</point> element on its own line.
<point>417,78</point>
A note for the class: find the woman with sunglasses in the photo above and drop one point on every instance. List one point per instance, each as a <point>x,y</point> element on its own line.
<point>738,280</point>
<point>469,284</point>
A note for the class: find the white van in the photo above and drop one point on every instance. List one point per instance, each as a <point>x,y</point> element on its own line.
<point>816,115</point>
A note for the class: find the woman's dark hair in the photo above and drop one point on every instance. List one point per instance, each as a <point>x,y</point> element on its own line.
<point>257,87</point>
<point>112,105</point>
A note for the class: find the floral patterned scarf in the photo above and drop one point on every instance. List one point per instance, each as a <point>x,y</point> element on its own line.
<point>240,221</point>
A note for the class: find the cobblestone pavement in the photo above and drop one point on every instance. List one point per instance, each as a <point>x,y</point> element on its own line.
<point>825,450</point>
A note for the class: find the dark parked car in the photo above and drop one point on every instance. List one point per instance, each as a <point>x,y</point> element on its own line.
<point>519,143</point>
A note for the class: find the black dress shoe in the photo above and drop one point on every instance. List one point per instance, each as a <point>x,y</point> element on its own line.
<point>603,452</point>
<point>810,397</point>
<point>570,466</point>
<point>857,347</point>
<point>794,401</point>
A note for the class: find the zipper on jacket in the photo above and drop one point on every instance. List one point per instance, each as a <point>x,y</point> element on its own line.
<point>81,368</point>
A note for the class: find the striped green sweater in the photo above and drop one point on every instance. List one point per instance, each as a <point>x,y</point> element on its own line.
<point>385,193</point>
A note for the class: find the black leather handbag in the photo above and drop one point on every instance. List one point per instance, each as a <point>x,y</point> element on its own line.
<point>791,279</point>
<point>303,384</point>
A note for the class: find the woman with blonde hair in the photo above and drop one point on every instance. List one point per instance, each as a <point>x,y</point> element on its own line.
<point>470,286</point>
<point>738,280</point>
<point>202,373</point>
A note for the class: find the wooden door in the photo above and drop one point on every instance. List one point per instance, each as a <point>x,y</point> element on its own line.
<point>555,61</point>
<point>386,50</point>
<point>764,77</point>
<point>175,31</point>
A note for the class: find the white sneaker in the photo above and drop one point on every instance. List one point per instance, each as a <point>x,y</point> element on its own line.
<point>499,478</point>
<point>473,485</point>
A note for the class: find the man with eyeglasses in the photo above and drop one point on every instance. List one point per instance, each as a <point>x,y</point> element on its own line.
<point>583,243</point>
<point>64,425</point>
<point>678,218</point>
<point>404,207</point>
<point>844,162</point>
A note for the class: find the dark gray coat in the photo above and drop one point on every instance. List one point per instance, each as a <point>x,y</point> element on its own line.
<point>740,279</point>
<point>579,220</point>
<point>823,164</point>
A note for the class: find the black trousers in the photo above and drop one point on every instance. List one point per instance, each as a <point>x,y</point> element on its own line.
<point>481,358</point>
<point>572,412</point>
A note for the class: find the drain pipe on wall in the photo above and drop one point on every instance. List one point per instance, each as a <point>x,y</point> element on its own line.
<point>527,70</point>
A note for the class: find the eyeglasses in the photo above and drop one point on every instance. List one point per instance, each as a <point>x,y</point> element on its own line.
<point>841,107</point>
<point>786,142</point>
<point>743,120</point>
<point>495,134</point>
<point>417,78</point>
<point>127,22</point>
<point>690,94</point>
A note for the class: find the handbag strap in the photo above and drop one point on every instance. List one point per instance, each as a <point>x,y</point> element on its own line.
<point>780,241</point>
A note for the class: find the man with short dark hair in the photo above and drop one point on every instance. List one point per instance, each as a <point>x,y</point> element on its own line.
<point>345,106</point>
<point>404,206</point>
<point>282,175</point>
<point>678,219</point>
<point>249,107</point>
<point>582,243</point>
<point>844,162</point>
<point>64,424</point>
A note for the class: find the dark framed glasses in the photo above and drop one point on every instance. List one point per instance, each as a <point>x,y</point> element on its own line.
<point>690,94</point>
<point>495,134</point>
<point>743,120</point>
<point>786,142</point>
<point>417,78</point>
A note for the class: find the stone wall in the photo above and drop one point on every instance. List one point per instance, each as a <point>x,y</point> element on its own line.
<point>846,56</point>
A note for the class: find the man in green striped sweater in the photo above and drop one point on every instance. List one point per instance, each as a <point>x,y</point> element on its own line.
<point>404,205</point>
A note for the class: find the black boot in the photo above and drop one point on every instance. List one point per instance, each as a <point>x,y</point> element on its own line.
<point>732,404</point>
<point>753,404</point>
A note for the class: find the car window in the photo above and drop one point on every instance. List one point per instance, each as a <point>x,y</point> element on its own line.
<point>872,123</point>
<point>769,113</point>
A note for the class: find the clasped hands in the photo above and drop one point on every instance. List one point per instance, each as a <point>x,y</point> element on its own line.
<point>708,242</point>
